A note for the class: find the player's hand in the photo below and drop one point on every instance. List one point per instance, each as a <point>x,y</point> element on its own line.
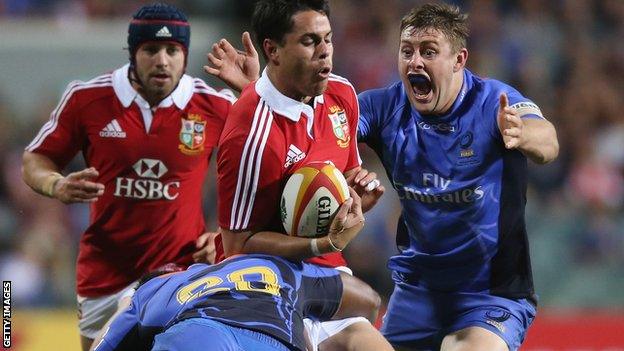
<point>206,249</point>
<point>234,67</point>
<point>509,124</point>
<point>367,186</point>
<point>347,222</point>
<point>79,187</point>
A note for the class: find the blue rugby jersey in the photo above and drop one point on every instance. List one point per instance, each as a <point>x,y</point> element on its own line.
<point>463,194</point>
<point>258,292</point>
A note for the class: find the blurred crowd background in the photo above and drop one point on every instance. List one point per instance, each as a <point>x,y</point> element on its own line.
<point>566,55</point>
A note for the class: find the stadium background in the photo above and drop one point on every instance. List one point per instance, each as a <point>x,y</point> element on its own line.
<point>567,55</point>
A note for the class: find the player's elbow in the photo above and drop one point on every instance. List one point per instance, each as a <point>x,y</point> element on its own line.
<point>551,154</point>
<point>29,161</point>
<point>550,149</point>
<point>554,148</point>
<point>233,242</point>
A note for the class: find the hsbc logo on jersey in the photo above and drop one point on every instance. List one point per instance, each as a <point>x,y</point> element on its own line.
<point>148,187</point>
<point>148,168</point>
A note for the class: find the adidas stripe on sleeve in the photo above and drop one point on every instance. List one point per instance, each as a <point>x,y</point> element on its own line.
<point>249,170</point>
<point>59,138</point>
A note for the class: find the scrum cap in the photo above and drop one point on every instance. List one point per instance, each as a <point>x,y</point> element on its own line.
<point>158,22</point>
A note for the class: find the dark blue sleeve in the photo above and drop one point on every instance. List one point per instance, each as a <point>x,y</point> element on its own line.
<point>321,291</point>
<point>525,107</point>
<point>367,123</point>
<point>122,333</point>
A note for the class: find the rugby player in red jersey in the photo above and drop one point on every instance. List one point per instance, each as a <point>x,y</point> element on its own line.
<point>297,112</point>
<point>146,132</point>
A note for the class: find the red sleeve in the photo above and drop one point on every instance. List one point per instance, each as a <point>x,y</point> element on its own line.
<point>249,170</point>
<point>217,108</point>
<point>217,105</point>
<point>60,138</point>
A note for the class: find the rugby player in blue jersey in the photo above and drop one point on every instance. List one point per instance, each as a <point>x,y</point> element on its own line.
<point>455,147</point>
<point>248,302</point>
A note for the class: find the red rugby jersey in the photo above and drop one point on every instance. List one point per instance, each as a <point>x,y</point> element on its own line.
<point>152,163</point>
<point>267,137</point>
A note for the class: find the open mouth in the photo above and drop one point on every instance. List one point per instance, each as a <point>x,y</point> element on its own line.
<point>324,72</point>
<point>421,85</point>
<point>160,76</point>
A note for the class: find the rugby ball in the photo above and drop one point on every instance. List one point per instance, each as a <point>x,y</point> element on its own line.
<point>310,199</point>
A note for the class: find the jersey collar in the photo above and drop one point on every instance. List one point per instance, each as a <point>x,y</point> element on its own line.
<point>181,95</point>
<point>282,104</point>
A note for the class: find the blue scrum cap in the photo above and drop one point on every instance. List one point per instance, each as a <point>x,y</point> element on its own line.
<point>158,22</point>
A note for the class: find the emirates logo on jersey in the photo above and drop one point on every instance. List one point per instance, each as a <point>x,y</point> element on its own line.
<point>148,186</point>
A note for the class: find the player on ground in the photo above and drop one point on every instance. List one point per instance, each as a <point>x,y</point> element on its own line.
<point>247,302</point>
<point>456,144</point>
<point>146,132</point>
<point>296,113</point>
<point>266,296</point>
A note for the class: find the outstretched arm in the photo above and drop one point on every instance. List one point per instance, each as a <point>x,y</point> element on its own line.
<point>535,138</point>
<point>42,175</point>
<point>234,67</point>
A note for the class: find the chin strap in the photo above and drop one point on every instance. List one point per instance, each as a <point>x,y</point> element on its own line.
<point>133,76</point>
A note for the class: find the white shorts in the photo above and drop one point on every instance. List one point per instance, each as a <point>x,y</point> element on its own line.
<point>321,331</point>
<point>94,312</point>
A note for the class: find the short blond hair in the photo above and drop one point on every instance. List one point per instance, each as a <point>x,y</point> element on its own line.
<point>447,19</point>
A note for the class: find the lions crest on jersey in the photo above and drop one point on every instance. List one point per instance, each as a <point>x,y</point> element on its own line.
<point>340,125</point>
<point>192,135</point>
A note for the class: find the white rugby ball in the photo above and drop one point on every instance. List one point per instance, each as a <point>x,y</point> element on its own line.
<point>310,199</point>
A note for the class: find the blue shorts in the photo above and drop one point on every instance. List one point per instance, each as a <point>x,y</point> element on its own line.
<point>419,318</point>
<point>199,334</point>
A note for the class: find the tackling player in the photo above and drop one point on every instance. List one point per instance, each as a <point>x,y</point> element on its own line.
<point>247,302</point>
<point>146,132</point>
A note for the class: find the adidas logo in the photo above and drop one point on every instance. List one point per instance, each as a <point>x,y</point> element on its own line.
<point>163,33</point>
<point>294,155</point>
<point>112,130</point>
